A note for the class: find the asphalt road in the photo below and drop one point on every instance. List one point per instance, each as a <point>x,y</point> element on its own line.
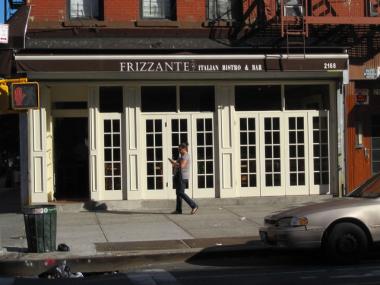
<point>261,267</point>
<point>268,267</point>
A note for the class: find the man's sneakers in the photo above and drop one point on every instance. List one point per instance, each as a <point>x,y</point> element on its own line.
<point>194,210</point>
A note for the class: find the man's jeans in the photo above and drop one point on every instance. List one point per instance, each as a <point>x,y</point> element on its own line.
<point>180,191</point>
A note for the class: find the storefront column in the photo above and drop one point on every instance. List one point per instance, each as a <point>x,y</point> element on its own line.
<point>93,135</point>
<point>131,165</point>
<point>37,152</point>
<point>341,146</point>
<point>224,101</point>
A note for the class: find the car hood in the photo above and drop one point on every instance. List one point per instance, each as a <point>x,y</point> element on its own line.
<point>334,204</point>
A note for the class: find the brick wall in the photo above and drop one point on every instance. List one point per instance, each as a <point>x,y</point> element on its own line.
<point>121,10</point>
<point>115,11</point>
<point>48,11</point>
<point>188,11</point>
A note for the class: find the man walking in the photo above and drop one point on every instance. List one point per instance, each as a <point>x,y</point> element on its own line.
<point>182,174</point>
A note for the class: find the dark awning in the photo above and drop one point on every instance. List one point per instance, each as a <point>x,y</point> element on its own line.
<point>6,62</point>
<point>148,65</point>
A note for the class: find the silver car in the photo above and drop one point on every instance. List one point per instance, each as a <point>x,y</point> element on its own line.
<point>344,227</point>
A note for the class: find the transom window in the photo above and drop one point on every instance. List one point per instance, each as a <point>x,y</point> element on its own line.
<point>307,97</point>
<point>258,98</point>
<point>86,9</point>
<point>224,9</point>
<point>159,9</point>
<point>173,99</point>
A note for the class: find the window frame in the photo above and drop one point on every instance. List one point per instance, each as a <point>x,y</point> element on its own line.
<point>233,16</point>
<point>171,17</point>
<point>100,16</point>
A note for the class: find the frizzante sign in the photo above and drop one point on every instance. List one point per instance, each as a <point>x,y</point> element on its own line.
<point>199,65</point>
<point>184,66</point>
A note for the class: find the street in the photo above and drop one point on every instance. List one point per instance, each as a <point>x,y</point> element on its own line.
<point>258,267</point>
<point>273,267</point>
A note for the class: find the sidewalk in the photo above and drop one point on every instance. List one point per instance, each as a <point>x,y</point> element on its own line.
<point>146,228</point>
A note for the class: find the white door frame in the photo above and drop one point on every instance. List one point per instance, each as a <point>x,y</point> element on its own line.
<point>160,168</point>
<point>111,194</point>
<point>296,145</point>
<point>275,147</point>
<point>317,189</point>
<point>168,191</point>
<point>207,148</point>
<point>249,190</point>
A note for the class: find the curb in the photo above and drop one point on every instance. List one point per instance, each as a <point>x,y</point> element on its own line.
<point>119,261</point>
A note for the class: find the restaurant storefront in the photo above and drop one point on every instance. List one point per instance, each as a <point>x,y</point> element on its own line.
<point>256,125</point>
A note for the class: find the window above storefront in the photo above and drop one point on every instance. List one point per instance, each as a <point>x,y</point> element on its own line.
<point>227,10</point>
<point>86,9</point>
<point>158,9</point>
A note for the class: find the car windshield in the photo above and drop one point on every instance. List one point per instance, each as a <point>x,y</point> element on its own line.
<point>370,189</point>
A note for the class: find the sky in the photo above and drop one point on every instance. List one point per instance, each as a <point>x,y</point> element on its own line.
<point>2,11</point>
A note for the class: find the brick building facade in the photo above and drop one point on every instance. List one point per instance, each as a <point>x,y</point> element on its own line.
<point>259,90</point>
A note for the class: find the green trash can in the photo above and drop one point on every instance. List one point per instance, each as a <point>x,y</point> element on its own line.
<point>41,227</point>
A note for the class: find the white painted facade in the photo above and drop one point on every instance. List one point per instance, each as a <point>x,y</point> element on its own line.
<point>223,172</point>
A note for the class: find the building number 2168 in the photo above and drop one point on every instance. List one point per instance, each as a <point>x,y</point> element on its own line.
<point>329,65</point>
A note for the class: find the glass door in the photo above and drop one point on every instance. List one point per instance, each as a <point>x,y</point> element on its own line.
<point>112,157</point>
<point>203,156</point>
<point>296,154</point>
<point>162,135</point>
<point>155,158</point>
<point>271,155</point>
<point>320,153</point>
<point>249,178</point>
<point>178,132</point>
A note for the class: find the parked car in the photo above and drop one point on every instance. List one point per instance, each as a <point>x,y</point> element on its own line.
<point>344,227</point>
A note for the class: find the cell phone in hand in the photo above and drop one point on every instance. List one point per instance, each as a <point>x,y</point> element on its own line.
<point>171,160</point>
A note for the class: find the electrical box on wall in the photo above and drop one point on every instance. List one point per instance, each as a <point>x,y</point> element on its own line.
<point>362,97</point>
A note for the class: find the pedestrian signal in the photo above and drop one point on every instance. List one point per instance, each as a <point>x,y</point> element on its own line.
<point>25,96</point>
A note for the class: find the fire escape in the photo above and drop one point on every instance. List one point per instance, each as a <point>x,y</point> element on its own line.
<point>297,16</point>
<point>293,24</point>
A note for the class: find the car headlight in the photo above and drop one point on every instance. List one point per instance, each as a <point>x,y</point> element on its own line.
<point>292,222</point>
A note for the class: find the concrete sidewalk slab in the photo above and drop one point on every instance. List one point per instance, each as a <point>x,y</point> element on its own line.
<point>144,231</point>
<point>146,221</point>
